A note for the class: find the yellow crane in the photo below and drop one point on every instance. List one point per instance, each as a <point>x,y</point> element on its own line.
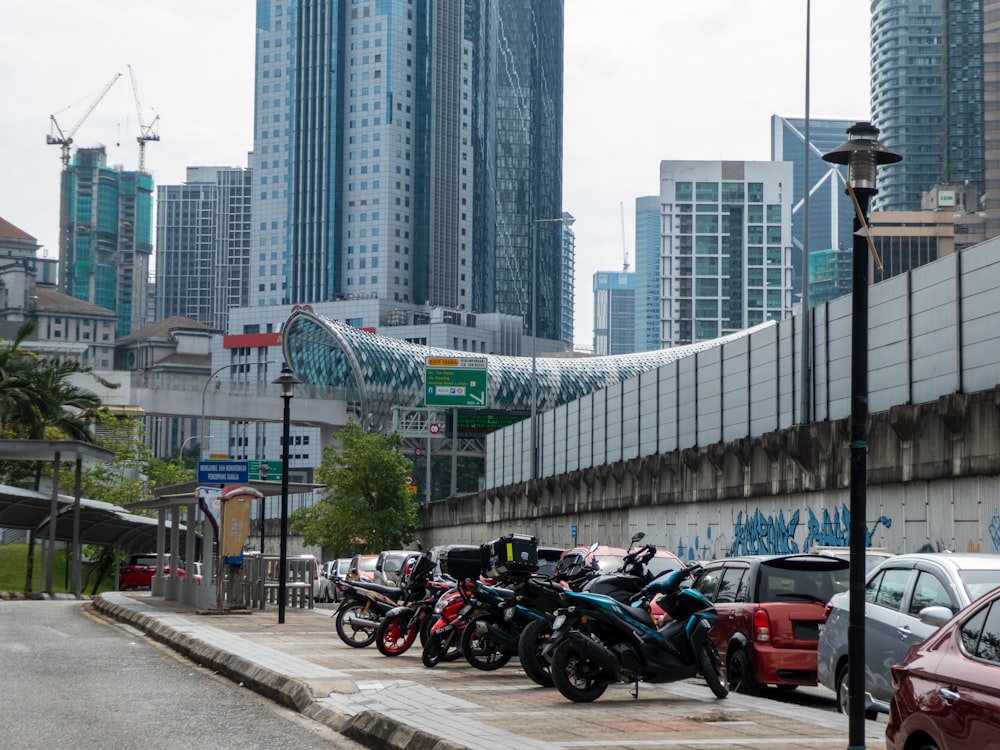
<point>146,132</point>
<point>58,137</point>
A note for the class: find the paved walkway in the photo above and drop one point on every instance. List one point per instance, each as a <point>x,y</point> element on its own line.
<point>398,703</point>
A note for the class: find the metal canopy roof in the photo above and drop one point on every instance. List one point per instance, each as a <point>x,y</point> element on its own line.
<point>100,522</point>
<point>46,450</point>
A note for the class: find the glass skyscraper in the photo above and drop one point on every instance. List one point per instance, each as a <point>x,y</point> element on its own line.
<point>647,273</point>
<point>405,149</point>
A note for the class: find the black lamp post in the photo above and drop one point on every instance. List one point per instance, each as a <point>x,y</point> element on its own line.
<point>287,381</point>
<point>862,153</point>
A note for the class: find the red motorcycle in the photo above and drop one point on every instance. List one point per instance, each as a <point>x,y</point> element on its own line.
<point>401,625</point>
<point>453,612</point>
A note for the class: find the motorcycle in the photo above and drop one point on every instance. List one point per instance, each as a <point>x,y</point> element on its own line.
<point>490,638</point>
<point>401,625</point>
<point>597,640</point>
<point>364,605</point>
<point>451,613</point>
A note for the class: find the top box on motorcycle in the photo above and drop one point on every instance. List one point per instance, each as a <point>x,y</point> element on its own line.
<point>511,555</point>
<point>460,561</point>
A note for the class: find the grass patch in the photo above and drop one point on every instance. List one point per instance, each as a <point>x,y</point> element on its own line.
<point>14,565</point>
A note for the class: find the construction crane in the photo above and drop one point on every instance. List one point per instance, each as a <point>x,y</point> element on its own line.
<point>146,132</point>
<point>65,139</point>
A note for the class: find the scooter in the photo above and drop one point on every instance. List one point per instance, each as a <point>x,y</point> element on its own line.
<point>597,640</point>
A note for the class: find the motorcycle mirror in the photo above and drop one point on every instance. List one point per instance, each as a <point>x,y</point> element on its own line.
<point>638,536</point>
<point>593,547</point>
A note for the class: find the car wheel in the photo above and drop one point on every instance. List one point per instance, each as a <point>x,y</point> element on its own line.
<point>844,700</point>
<point>739,672</point>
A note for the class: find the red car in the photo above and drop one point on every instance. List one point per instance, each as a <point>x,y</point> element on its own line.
<point>138,572</point>
<point>947,690</point>
<point>771,612</point>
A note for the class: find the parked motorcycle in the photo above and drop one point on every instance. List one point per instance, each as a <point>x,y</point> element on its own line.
<point>401,625</point>
<point>597,640</point>
<point>489,639</point>
<point>451,617</point>
<point>364,605</point>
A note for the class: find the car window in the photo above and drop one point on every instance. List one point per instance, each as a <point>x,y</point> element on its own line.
<point>930,591</point>
<point>979,582</point>
<point>143,560</point>
<point>730,585</point>
<point>784,584</point>
<point>980,634</point>
<point>368,564</point>
<point>708,584</point>
<point>608,563</point>
<point>891,585</point>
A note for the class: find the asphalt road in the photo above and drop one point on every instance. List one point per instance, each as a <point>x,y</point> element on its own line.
<point>69,680</point>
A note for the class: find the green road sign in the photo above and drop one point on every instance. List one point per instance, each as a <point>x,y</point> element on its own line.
<point>265,471</point>
<point>455,381</point>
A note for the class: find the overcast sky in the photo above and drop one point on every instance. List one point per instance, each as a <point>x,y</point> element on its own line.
<point>645,80</point>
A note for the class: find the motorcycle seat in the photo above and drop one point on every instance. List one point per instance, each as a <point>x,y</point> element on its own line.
<point>393,592</point>
<point>640,614</point>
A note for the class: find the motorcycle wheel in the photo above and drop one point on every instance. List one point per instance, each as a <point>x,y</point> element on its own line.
<point>426,623</point>
<point>437,648</point>
<point>576,676</point>
<point>357,634</point>
<point>711,669</point>
<point>395,634</point>
<point>529,652</point>
<point>480,651</point>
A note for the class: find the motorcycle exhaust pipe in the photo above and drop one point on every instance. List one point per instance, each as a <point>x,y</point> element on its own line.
<point>361,622</point>
<point>597,653</point>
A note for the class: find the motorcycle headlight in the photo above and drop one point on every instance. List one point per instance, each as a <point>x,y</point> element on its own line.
<point>558,622</point>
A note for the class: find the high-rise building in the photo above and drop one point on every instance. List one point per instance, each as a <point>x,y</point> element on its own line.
<point>647,273</point>
<point>567,275</point>
<point>726,247</point>
<point>614,312</point>
<point>928,97</point>
<point>203,246</point>
<point>831,213</point>
<point>407,151</point>
<point>107,236</point>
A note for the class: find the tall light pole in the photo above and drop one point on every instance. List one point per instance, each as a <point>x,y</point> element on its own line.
<point>566,220</point>
<point>287,381</point>
<point>862,153</point>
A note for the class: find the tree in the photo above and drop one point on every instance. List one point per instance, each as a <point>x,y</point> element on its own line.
<point>365,506</point>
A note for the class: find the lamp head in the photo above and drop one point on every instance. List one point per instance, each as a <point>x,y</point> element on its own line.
<point>862,153</point>
<point>287,381</point>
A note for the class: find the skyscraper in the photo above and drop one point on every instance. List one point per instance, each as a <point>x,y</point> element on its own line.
<point>726,247</point>
<point>647,273</point>
<point>107,236</point>
<point>927,97</point>
<point>406,151</point>
<point>203,246</point>
<point>614,312</point>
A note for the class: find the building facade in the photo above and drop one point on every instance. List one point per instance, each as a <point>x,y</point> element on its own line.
<point>614,312</point>
<point>405,151</point>
<point>106,235</point>
<point>203,245</point>
<point>726,247</point>
<point>647,273</point>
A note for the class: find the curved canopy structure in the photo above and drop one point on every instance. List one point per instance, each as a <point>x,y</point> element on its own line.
<point>377,372</point>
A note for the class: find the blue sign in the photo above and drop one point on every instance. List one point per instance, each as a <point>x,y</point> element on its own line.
<point>223,472</point>
<point>574,530</point>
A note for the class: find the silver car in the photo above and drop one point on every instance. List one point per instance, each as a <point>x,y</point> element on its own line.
<point>904,597</point>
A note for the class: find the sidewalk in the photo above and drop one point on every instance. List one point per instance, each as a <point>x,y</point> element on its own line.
<point>398,703</point>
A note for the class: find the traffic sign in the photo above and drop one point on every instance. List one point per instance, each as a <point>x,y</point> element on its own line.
<point>435,428</point>
<point>222,472</point>
<point>412,489</point>
<point>265,471</point>
<point>455,381</point>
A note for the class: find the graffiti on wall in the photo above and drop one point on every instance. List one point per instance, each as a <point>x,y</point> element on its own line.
<point>995,531</point>
<point>759,534</point>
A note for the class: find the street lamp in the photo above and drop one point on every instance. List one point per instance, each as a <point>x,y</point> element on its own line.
<point>180,451</point>
<point>287,381</point>
<point>566,220</point>
<point>862,153</point>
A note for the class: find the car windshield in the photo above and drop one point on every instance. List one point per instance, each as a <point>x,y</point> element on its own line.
<point>979,582</point>
<point>367,564</point>
<point>144,560</point>
<point>608,563</point>
<point>661,564</point>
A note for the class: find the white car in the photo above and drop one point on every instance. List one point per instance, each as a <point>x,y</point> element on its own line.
<point>331,572</point>
<point>907,598</point>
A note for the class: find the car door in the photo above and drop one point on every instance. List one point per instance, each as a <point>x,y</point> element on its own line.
<point>885,594</point>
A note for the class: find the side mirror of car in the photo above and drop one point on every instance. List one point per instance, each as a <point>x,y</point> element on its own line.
<point>936,616</point>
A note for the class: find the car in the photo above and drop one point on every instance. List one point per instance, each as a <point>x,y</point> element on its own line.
<point>391,565</point>
<point>874,556</point>
<point>609,559</point>
<point>331,572</point>
<point>770,614</point>
<point>362,568</point>
<point>946,692</point>
<point>138,572</point>
<point>895,594</point>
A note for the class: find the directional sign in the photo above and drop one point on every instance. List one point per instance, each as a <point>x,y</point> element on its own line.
<point>222,472</point>
<point>455,381</point>
<point>265,471</point>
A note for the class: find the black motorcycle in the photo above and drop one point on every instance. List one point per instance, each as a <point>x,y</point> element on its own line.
<point>364,605</point>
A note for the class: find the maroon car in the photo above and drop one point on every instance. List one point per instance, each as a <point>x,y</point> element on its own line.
<point>947,690</point>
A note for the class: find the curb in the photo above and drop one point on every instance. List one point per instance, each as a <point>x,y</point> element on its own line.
<point>370,728</point>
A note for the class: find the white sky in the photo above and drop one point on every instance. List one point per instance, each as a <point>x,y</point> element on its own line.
<point>645,80</point>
